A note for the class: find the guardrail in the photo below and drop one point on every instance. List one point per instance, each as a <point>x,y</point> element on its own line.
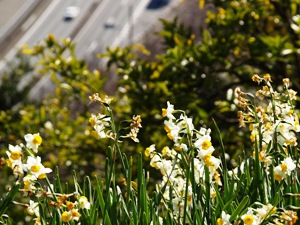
<point>20,17</point>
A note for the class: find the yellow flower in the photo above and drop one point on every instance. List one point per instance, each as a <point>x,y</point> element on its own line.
<point>75,215</point>
<point>106,100</point>
<point>15,152</point>
<point>283,167</point>
<point>150,151</point>
<point>207,160</point>
<point>70,205</point>
<point>165,150</point>
<point>92,121</point>
<point>36,168</point>
<point>278,177</point>
<point>164,112</point>
<point>224,219</point>
<point>220,221</point>
<point>168,112</point>
<point>267,77</point>
<point>286,81</point>
<point>170,136</point>
<point>248,219</point>
<point>37,139</point>
<point>33,141</point>
<point>256,78</point>
<point>213,194</point>
<point>84,203</point>
<point>65,216</point>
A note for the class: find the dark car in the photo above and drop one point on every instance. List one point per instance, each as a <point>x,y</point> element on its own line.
<point>155,4</point>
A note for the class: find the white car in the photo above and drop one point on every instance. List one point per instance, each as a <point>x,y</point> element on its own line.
<point>110,23</point>
<point>71,12</point>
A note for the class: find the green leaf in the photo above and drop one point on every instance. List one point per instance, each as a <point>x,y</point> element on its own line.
<point>239,208</point>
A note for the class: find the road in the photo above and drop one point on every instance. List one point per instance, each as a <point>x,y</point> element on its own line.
<point>131,20</point>
<point>94,35</point>
<point>51,21</point>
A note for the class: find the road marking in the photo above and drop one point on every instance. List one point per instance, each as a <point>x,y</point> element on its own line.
<point>92,47</point>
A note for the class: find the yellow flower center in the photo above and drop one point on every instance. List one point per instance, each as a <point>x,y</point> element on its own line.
<point>37,140</point>
<point>206,144</point>
<point>170,136</point>
<point>278,177</point>
<point>167,129</point>
<point>213,194</point>
<point>207,160</point>
<point>65,217</point>
<point>267,77</point>
<point>283,167</point>
<point>248,220</point>
<point>165,150</point>
<point>42,176</point>
<point>178,148</point>
<point>92,121</point>
<point>253,136</point>
<point>30,212</point>
<point>75,213</point>
<point>261,156</point>
<point>220,221</point>
<point>35,168</point>
<point>164,112</point>
<point>154,164</point>
<point>147,152</point>
<point>26,184</point>
<point>15,155</point>
<point>82,201</point>
<point>70,205</point>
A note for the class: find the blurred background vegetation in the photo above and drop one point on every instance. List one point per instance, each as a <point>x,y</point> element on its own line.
<point>192,60</point>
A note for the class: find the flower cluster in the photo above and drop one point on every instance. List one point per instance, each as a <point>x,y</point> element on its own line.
<point>29,168</point>
<point>256,216</point>
<point>135,125</point>
<point>71,209</point>
<point>261,214</point>
<point>273,125</point>
<point>170,161</point>
<point>103,124</point>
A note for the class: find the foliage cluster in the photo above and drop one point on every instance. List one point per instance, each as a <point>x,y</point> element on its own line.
<point>198,65</point>
<point>195,187</point>
<point>236,40</point>
<point>59,117</point>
